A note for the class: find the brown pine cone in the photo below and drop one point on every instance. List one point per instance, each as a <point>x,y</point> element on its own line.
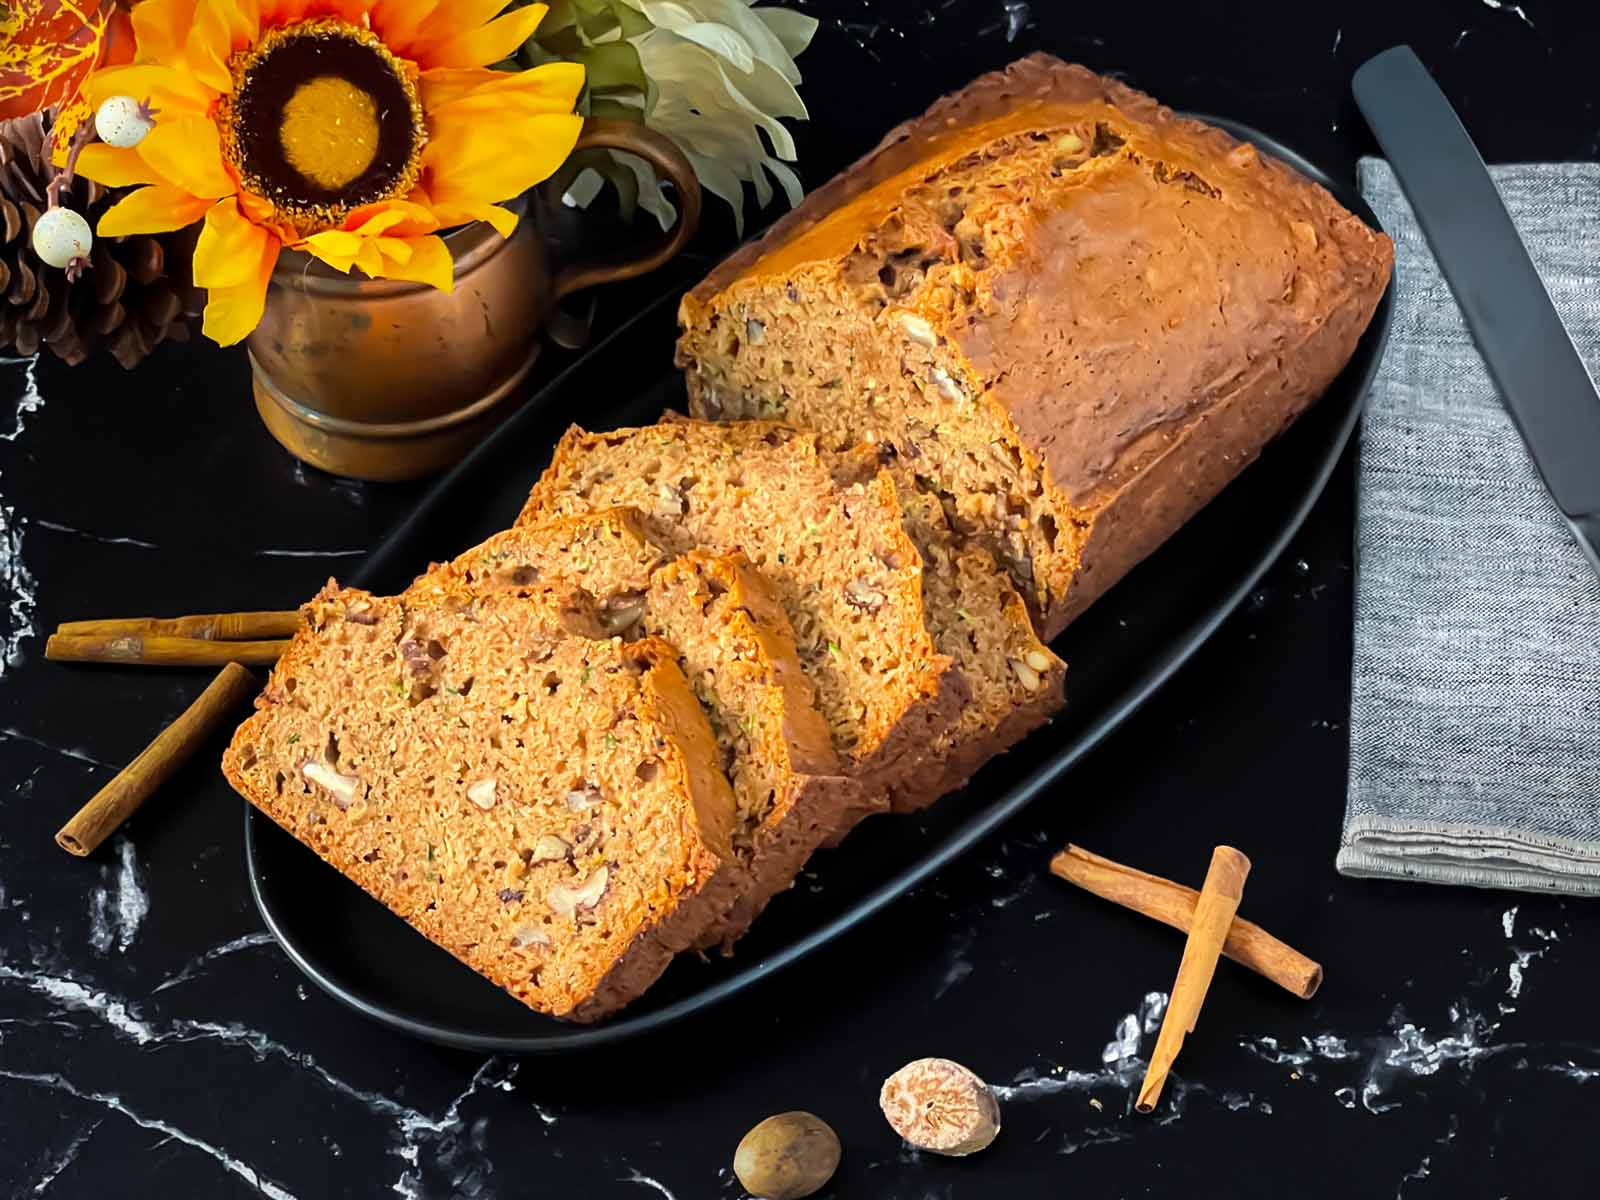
<point>136,293</point>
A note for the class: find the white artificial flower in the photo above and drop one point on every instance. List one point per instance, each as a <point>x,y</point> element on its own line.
<point>725,73</point>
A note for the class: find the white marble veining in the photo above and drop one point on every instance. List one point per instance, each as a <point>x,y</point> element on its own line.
<point>636,1176</point>
<point>16,735</point>
<point>61,1161</point>
<point>200,962</point>
<point>116,911</point>
<point>1515,9</point>
<point>18,588</point>
<point>310,553</point>
<point>450,1145</point>
<point>103,538</point>
<point>1120,1063</point>
<point>1018,17</point>
<point>114,1103</point>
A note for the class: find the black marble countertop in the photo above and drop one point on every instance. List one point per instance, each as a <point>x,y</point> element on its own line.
<point>155,1042</point>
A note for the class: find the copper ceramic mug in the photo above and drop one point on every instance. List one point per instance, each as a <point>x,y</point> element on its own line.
<point>389,379</point>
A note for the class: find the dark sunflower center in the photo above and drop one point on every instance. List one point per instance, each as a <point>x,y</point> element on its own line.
<point>323,119</point>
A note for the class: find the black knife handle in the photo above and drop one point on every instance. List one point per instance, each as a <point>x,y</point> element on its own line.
<point>1528,351</point>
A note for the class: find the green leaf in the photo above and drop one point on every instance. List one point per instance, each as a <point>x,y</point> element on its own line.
<point>596,18</point>
<point>601,106</point>
<point>613,66</point>
<point>562,15</point>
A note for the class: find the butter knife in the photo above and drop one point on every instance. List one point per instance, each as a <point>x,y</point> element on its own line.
<point>1530,355</point>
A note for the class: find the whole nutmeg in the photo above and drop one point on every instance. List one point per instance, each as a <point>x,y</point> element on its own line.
<point>940,1106</point>
<point>788,1156</point>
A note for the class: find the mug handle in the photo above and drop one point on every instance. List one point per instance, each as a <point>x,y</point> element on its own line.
<point>660,152</point>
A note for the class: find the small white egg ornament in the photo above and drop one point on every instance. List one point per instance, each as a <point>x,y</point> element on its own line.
<point>61,235</point>
<point>122,122</point>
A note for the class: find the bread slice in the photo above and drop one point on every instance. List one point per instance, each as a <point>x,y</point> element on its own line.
<point>736,649</point>
<point>540,800</point>
<point>834,549</point>
<point>1014,680</point>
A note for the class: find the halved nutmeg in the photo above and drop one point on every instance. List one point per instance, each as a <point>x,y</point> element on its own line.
<point>567,901</point>
<point>341,787</point>
<point>939,1105</point>
<point>482,793</point>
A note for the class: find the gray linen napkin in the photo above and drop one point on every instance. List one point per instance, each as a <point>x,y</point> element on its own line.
<point>1475,703</point>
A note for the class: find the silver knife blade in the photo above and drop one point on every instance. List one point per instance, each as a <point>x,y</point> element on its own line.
<point>1529,353</point>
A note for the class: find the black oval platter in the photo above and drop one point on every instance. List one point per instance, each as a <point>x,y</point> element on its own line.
<point>1118,654</point>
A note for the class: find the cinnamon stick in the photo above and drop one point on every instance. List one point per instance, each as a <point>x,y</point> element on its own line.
<point>134,784</point>
<point>1172,904</point>
<point>1213,914</point>
<point>159,650</point>
<point>214,627</point>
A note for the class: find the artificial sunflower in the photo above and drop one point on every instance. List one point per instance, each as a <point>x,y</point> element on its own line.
<point>354,130</point>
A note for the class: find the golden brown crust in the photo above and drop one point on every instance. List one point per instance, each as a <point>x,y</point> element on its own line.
<point>1125,301</point>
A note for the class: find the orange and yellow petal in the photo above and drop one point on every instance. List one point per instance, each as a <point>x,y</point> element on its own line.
<point>241,19</point>
<point>333,246</point>
<point>450,19</point>
<point>470,161</point>
<point>220,28</point>
<point>485,44</point>
<point>161,29</point>
<point>187,152</point>
<point>114,166</point>
<point>399,22</point>
<point>172,92</point>
<point>154,209</point>
<point>422,260</point>
<point>553,87</point>
<point>232,312</point>
<point>503,220</point>
<point>230,247</point>
<point>396,218</point>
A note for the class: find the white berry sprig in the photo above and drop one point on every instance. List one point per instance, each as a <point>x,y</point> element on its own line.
<point>61,237</point>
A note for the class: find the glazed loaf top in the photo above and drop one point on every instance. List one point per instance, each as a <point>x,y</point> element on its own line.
<point>1119,266</point>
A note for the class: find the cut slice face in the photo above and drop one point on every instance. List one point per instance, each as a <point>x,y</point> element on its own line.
<point>834,549</point>
<point>540,800</point>
<point>738,653</point>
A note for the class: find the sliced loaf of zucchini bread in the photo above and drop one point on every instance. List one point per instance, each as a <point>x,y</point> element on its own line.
<point>737,650</point>
<point>540,800</point>
<point>1074,313</point>
<point>834,549</point>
